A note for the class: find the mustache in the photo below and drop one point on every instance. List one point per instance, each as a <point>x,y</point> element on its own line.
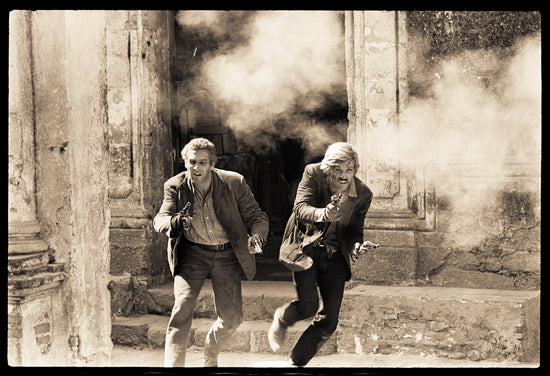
<point>339,179</point>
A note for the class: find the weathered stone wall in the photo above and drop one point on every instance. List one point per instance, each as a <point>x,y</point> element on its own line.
<point>445,112</point>
<point>139,53</point>
<point>488,192</point>
<point>375,74</point>
<point>488,236</point>
<point>69,322</point>
<point>457,323</point>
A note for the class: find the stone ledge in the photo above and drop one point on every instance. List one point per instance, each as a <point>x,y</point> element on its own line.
<point>453,322</point>
<point>260,298</point>
<point>444,293</point>
<point>457,323</point>
<point>386,265</point>
<point>26,263</point>
<point>390,237</point>
<point>20,283</point>
<point>251,336</point>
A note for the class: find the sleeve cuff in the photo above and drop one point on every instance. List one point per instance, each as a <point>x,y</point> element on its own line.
<point>319,215</point>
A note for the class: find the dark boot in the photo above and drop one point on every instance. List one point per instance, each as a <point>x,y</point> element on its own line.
<point>210,358</point>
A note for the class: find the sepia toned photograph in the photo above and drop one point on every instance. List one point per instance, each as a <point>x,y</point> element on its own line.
<point>274,189</point>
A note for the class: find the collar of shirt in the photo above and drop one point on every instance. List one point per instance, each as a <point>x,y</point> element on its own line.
<point>205,228</point>
<point>196,192</point>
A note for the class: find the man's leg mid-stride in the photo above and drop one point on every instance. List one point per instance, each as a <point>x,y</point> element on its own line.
<point>226,284</point>
<point>186,292</point>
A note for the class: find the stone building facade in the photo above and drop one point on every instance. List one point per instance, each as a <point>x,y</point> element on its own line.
<point>91,140</point>
<point>89,122</point>
<point>465,218</point>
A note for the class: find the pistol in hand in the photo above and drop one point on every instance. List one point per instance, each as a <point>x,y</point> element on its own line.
<point>361,248</point>
<point>186,216</point>
<point>332,211</point>
<point>336,199</point>
<point>254,246</point>
<point>183,218</point>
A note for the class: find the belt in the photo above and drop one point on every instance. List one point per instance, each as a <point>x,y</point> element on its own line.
<point>321,244</point>
<point>213,247</point>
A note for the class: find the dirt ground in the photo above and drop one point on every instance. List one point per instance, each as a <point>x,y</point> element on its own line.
<point>128,357</point>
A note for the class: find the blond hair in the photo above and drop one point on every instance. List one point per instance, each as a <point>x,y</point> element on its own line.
<point>337,153</point>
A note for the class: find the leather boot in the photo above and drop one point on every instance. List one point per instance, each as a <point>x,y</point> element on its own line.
<point>210,358</point>
<point>277,332</point>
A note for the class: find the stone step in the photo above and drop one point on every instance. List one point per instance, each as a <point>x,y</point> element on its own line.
<point>454,322</point>
<point>251,336</point>
<point>457,323</point>
<point>260,298</point>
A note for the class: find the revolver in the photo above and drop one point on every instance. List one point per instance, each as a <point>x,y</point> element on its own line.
<point>257,248</point>
<point>336,198</point>
<point>360,248</point>
<point>185,216</point>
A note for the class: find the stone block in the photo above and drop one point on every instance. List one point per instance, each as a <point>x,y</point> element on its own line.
<point>131,331</point>
<point>156,332</point>
<point>122,295</point>
<point>390,238</point>
<point>450,276</point>
<point>240,341</point>
<point>258,340</point>
<point>205,304</point>
<point>452,322</point>
<point>130,251</point>
<point>143,301</point>
<point>253,308</point>
<point>429,259</point>
<point>163,296</point>
<point>129,336</point>
<point>386,265</point>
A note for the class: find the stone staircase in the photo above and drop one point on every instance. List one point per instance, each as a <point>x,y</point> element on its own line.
<point>457,323</point>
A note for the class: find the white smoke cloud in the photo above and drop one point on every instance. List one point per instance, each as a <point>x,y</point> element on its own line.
<point>199,18</point>
<point>466,119</point>
<point>290,58</point>
<point>482,121</point>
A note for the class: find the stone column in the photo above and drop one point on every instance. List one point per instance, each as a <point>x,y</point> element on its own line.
<point>26,250</point>
<point>60,76</point>
<point>33,282</point>
<point>139,92</point>
<point>377,91</point>
<point>88,270</point>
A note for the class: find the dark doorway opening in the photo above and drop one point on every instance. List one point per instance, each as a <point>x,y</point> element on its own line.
<point>276,178</point>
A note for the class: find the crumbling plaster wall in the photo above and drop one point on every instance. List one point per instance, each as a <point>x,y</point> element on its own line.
<point>72,177</point>
<point>492,241</point>
<point>139,53</point>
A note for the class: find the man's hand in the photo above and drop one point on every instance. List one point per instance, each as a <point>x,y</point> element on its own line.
<point>255,243</point>
<point>331,213</point>
<point>180,222</point>
<point>361,248</point>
